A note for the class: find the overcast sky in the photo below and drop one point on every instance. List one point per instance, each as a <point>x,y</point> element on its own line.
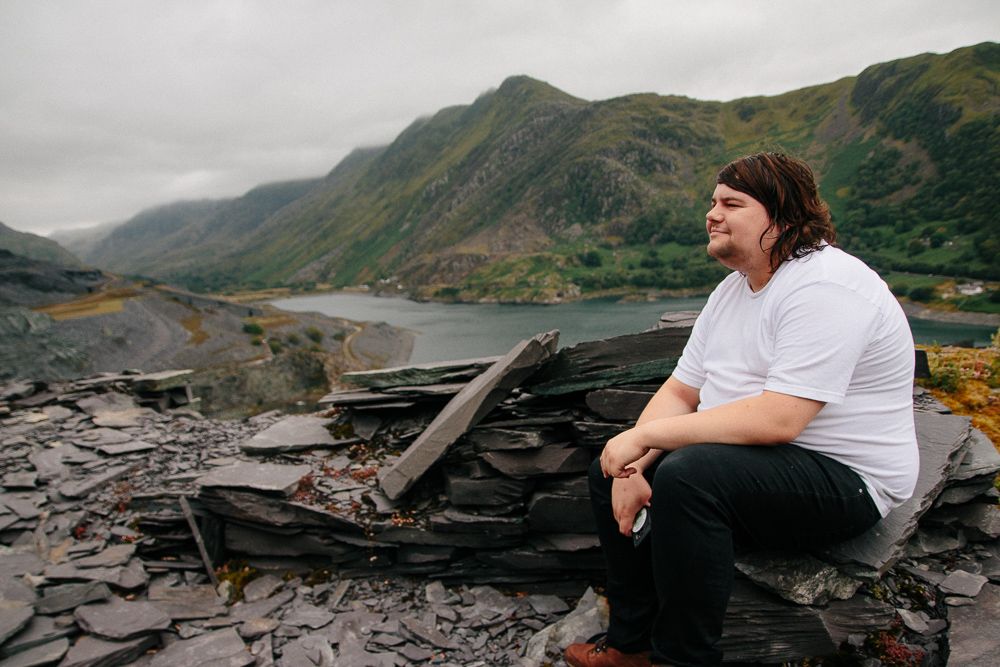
<point>109,107</point>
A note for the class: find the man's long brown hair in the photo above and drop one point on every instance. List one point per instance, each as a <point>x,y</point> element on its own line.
<point>787,189</point>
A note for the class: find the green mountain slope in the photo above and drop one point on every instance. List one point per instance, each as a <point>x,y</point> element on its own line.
<point>35,247</point>
<point>530,194</point>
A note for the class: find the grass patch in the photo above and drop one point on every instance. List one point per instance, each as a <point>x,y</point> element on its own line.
<point>275,321</point>
<point>193,324</point>
<point>964,380</point>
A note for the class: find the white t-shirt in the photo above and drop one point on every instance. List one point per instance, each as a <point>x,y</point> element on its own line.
<point>825,327</point>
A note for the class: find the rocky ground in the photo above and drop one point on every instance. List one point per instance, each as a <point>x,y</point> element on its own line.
<point>61,322</point>
<point>105,542</point>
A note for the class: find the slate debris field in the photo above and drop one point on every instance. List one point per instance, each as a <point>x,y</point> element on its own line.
<point>435,515</point>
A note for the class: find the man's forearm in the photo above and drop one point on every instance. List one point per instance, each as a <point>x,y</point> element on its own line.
<point>761,420</point>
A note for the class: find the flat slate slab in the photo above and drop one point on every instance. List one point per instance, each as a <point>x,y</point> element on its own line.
<point>93,651</point>
<point>292,434</point>
<point>465,410</point>
<point>266,477</point>
<point>70,596</point>
<point>222,648</point>
<point>162,381</point>
<point>43,654</point>
<point>83,487</point>
<point>14,615</point>
<point>869,555</point>
<point>118,620</point>
<point>420,374</point>
<point>130,447</point>
<point>536,462</point>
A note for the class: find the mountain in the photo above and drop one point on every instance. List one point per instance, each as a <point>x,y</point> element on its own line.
<point>530,194</point>
<point>34,247</point>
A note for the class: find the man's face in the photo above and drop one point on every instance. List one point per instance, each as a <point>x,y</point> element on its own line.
<point>735,225</point>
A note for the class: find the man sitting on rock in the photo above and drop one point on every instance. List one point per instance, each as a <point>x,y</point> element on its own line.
<point>788,422</point>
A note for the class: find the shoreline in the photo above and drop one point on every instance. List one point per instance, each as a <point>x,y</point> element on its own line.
<point>910,308</point>
<point>954,316</point>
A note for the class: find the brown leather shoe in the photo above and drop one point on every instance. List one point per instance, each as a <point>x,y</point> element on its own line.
<point>602,655</point>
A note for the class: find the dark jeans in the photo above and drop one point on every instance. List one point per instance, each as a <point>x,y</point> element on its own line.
<point>705,498</point>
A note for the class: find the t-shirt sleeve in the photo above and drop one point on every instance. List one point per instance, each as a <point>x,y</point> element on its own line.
<point>821,331</point>
<point>690,367</point>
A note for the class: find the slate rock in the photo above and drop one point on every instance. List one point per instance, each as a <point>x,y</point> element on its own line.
<point>414,653</point>
<point>311,651</point>
<point>761,627</point>
<point>109,402</point>
<point>420,374</point>
<point>452,520</point>
<point>981,458</point>
<point>871,554</point>
<point>187,602</point>
<point>534,463</point>
<point>221,648</point>
<point>547,604</point>
<point>979,521</point>
<point>14,616</point>
<point>252,628</point>
<point>797,578</point>
<point>266,477</point>
<point>464,411</point>
<point>112,556</point>
<point>589,618</point>
<point>20,480</point>
<point>483,491</point>
<point>16,564</point>
<point>618,404</point>
<point>16,589</point>
<point>436,593</point>
<point>43,654</point>
<point>563,542</point>
<point>963,583</point>
<point>486,439</point>
<point>416,554</point>
<point>40,630</point>
<point>972,637</point>
<point>70,596</point>
<point>129,577</point>
<point>260,609</point>
<point>309,616</point>
<point>261,588</point>
<point>101,436</point>
<point>427,634</point>
<point>292,434</point>
<point>91,651</point>
<point>120,620</point>
<point>551,513</point>
<point>81,488</point>
<point>161,381</point>
<point>130,447</point>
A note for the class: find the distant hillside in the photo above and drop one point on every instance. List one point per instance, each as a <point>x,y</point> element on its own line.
<point>530,194</point>
<point>35,247</point>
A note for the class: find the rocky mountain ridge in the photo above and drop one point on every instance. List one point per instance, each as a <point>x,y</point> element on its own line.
<point>532,194</point>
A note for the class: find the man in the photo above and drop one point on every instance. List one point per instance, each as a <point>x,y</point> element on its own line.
<point>788,422</point>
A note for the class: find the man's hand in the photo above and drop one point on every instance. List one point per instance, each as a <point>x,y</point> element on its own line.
<point>621,452</point>
<point>628,496</point>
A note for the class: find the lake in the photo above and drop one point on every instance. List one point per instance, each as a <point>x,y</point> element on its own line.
<point>461,331</point>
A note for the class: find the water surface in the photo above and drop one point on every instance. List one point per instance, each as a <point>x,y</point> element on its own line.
<point>460,331</point>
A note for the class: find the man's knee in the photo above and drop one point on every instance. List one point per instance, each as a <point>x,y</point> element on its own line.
<point>698,467</point>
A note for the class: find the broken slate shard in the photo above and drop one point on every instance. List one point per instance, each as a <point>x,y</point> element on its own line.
<point>293,434</point>
<point>420,374</point>
<point>869,555</point>
<point>267,477</point>
<point>465,410</point>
